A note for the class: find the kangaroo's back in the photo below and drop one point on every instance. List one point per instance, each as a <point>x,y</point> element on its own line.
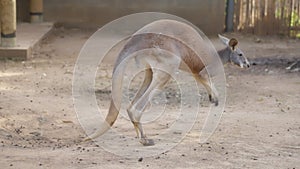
<point>173,36</point>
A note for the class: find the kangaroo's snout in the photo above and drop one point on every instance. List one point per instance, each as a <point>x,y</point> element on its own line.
<point>247,65</point>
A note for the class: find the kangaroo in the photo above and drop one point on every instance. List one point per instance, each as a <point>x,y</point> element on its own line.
<point>154,60</point>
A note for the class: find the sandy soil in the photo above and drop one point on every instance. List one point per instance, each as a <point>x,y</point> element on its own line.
<point>260,127</point>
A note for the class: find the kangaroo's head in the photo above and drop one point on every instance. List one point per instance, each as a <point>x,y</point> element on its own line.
<point>233,53</point>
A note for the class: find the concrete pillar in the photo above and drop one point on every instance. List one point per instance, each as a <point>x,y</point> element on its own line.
<point>8,22</point>
<point>36,11</point>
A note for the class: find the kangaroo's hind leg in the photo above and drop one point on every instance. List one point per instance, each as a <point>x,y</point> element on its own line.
<point>141,91</point>
<point>159,79</point>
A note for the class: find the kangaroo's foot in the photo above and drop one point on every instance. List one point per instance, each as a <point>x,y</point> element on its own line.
<point>214,100</point>
<point>147,142</point>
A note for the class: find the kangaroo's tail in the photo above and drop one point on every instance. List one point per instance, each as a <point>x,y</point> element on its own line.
<point>115,104</point>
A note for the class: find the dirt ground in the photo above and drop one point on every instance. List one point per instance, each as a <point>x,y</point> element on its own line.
<point>260,127</point>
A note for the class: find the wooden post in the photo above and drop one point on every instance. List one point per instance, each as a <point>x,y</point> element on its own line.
<point>229,15</point>
<point>290,18</point>
<point>237,9</point>
<point>8,23</point>
<point>36,11</point>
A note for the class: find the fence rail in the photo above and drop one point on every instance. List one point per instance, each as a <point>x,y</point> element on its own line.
<point>268,17</point>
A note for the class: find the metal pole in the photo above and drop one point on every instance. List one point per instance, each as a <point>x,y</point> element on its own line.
<point>36,11</point>
<point>229,15</point>
<point>8,23</point>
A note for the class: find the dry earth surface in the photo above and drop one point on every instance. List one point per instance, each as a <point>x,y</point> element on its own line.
<point>260,127</point>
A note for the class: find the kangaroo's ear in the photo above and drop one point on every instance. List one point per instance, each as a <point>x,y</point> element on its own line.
<point>232,43</point>
<point>224,39</point>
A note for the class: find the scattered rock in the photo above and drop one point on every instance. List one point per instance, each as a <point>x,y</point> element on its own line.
<point>257,40</point>
<point>35,133</point>
<point>67,121</point>
<point>177,132</point>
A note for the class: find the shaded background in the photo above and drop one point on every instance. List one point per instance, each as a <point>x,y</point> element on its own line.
<point>261,17</point>
<point>208,15</point>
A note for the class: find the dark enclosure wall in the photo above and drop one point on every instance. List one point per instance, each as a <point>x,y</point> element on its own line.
<point>208,15</point>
